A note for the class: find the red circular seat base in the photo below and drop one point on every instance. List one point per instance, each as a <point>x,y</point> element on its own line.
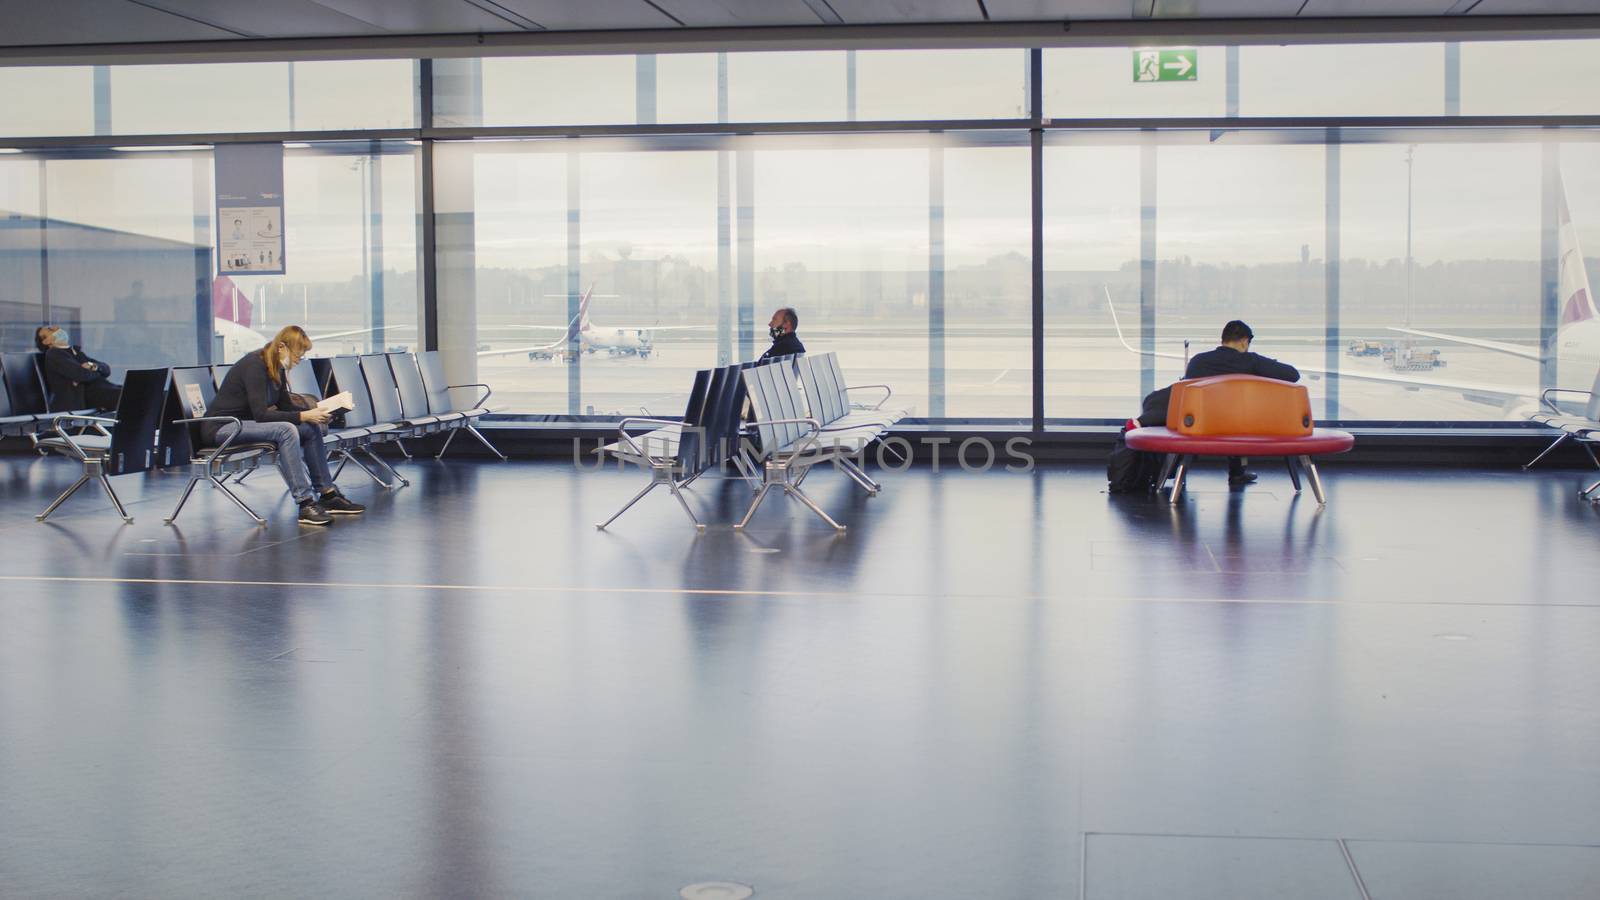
<point>1320,442</point>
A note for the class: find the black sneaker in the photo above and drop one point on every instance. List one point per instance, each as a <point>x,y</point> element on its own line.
<point>1242,478</point>
<point>337,504</point>
<point>312,513</point>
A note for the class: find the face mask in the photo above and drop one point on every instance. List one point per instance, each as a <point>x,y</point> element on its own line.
<point>285,360</point>
<point>61,338</point>
<point>776,331</point>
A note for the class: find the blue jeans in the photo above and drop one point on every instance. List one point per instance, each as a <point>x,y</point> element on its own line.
<point>301,457</point>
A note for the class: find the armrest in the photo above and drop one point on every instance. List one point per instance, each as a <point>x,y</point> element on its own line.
<point>887,393</point>
<point>487,391</point>
<point>1545,397</point>
<point>806,440</point>
<point>622,430</point>
<point>226,441</point>
<point>97,421</point>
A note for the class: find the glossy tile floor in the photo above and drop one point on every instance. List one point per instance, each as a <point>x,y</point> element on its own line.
<point>1001,685</point>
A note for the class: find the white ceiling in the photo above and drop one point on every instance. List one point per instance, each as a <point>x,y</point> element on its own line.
<point>33,23</point>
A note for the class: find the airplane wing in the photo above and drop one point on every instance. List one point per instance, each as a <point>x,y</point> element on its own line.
<point>615,327</point>
<point>516,350</point>
<point>1496,346</point>
<point>1483,393</point>
<point>355,331</point>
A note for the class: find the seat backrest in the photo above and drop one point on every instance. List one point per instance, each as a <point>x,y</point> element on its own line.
<point>24,383</point>
<point>775,396</point>
<point>713,447</point>
<point>1591,411</point>
<point>380,384</point>
<point>835,380</point>
<point>184,439</point>
<point>219,371</point>
<point>692,456</point>
<point>302,380</point>
<point>434,383</point>
<point>347,377</point>
<point>133,438</point>
<point>408,379</point>
<point>5,397</point>
<point>322,369</point>
<point>1239,405</point>
<point>823,399</point>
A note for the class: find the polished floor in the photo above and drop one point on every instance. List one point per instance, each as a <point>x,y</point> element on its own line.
<point>992,686</point>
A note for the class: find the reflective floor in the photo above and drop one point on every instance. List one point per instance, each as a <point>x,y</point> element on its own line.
<point>998,685</point>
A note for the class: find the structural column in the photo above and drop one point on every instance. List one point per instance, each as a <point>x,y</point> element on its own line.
<point>936,385</point>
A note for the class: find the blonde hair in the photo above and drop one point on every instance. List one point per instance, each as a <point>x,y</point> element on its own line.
<point>291,339</point>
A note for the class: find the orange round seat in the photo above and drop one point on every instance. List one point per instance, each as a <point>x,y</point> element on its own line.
<point>1239,404</point>
<point>1320,442</point>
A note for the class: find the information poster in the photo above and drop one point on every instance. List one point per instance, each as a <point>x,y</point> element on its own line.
<point>249,209</point>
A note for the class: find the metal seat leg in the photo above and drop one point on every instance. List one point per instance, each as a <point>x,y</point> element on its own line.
<point>447,441</point>
<point>800,495</point>
<point>363,467</point>
<point>629,505</point>
<point>1178,479</point>
<point>115,500</point>
<point>1316,480</point>
<point>82,480</point>
<point>761,494</point>
<point>187,490</point>
<point>402,447</point>
<point>384,465</point>
<point>485,441</point>
<point>859,475</point>
<point>698,526</point>
<point>1546,452</point>
<point>1167,464</point>
<point>236,499</point>
<point>1293,466</point>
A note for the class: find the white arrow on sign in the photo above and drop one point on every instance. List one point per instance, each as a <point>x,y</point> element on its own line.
<point>1183,65</point>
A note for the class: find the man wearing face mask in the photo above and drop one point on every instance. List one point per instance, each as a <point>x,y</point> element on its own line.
<point>784,341</point>
<point>256,391</point>
<point>76,381</point>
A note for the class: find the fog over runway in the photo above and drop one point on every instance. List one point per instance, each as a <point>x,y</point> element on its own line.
<point>988,376</point>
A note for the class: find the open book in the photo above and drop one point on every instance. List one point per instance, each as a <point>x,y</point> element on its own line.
<point>341,400</point>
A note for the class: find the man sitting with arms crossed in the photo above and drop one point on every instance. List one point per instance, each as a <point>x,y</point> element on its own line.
<point>1233,357</point>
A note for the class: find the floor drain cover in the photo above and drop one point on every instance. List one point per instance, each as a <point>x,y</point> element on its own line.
<point>717,890</point>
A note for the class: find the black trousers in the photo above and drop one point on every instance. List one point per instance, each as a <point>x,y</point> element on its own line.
<point>102,394</point>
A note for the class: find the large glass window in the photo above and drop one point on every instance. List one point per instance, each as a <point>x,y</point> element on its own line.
<point>117,246</point>
<point>905,256</point>
<point>46,100</point>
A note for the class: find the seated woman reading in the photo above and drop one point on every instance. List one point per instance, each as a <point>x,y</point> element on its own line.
<point>256,391</point>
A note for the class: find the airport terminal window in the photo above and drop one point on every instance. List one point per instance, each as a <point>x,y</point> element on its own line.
<point>1098,82</point>
<point>1091,247</point>
<point>46,100</point>
<point>118,245</point>
<point>257,97</point>
<point>1341,80</point>
<point>1529,78</point>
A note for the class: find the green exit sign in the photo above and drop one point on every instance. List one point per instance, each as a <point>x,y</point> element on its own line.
<point>1178,64</point>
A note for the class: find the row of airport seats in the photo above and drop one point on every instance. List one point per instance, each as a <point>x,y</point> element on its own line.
<point>25,402</point>
<point>157,424</point>
<point>1582,427</point>
<point>773,420</point>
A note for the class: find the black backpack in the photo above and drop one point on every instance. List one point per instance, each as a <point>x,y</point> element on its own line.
<point>1132,471</point>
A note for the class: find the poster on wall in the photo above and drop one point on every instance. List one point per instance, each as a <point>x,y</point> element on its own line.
<point>249,194</point>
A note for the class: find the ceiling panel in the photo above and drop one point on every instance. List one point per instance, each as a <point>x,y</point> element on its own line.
<point>1057,10</point>
<point>23,23</point>
<point>1535,7</point>
<point>1377,7</point>
<point>591,14</point>
<point>420,16</point>
<point>866,12</point>
<point>1226,9</point>
<point>739,13</point>
<point>283,18</point>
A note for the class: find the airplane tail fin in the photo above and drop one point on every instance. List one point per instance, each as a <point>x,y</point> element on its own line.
<point>230,303</point>
<point>1577,301</point>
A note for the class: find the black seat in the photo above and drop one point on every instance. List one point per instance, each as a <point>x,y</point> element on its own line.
<point>190,394</point>
<point>441,404</point>
<point>129,445</point>
<point>347,376</point>
<point>672,452</point>
<point>219,371</point>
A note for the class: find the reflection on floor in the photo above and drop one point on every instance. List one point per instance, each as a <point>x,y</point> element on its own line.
<point>1001,685</point>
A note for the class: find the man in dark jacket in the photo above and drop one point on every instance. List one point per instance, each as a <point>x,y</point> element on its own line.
<point>76,381</point>
<point>784,341</point>
<point>1233,357</point>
